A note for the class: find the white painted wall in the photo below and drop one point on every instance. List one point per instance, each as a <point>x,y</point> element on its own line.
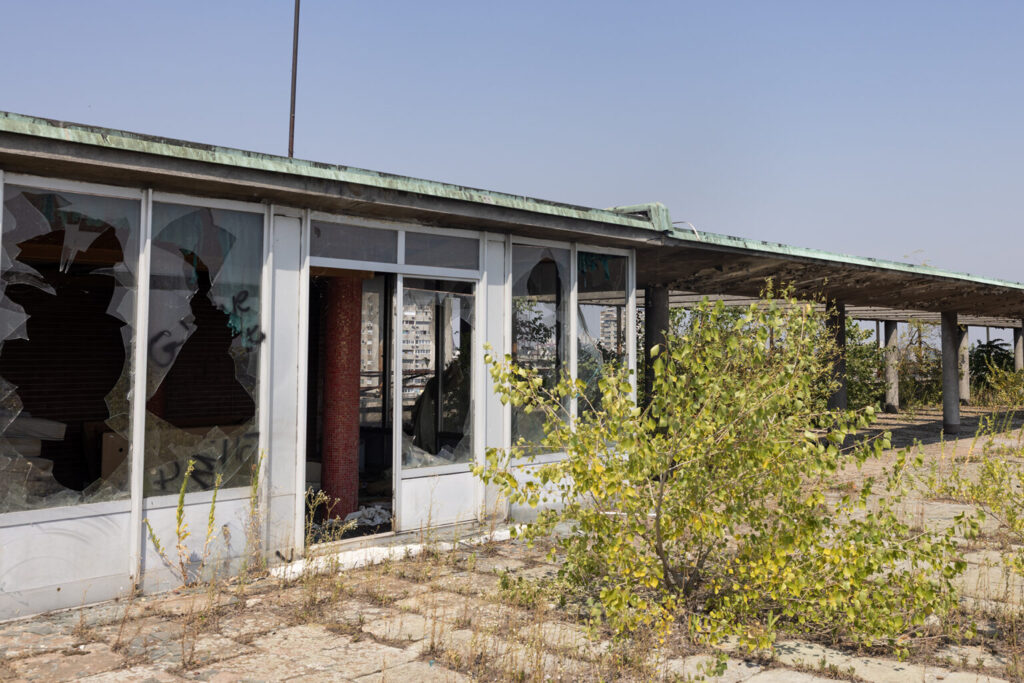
<point>63,557</point>
<point>285,332</point>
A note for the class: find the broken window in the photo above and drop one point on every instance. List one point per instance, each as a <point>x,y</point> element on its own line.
<point>202,383</point>
<point>540,297</point>
<point>67,304</point>
<point>601,325</point>
<point>437,339</point>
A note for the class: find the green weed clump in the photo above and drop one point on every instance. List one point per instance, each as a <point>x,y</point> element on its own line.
<point>991,478</point>
<point>187,566</point>
<point>710,507</point>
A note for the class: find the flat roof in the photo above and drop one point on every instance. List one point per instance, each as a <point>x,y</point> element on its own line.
<point>685,259</point>
<point>227,156</point>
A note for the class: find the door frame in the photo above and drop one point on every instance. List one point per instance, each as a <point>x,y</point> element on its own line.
<point>476,277</point>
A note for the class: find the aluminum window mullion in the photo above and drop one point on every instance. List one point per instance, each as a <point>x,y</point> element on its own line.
<point>266,348</point>
<point>507,340</point>
<point>298,539</point>
<point>396,408</point>
<point>478,387</point>
<point>209,203</point>
<point>394,226</point>
<point>631,321</point>
<point>431,272</point>
<point>573,341</point>
<point>76,186</point>
<point>140,359</point>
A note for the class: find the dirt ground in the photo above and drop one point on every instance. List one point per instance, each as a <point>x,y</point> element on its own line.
<point>467,611</point>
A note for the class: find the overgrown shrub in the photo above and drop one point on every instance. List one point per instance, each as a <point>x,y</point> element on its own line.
<point>865,365</point>
<point>1004,388</point>
<point>712,506</point>
<point>991,477</point>
<point>920,366</point>
<point>993,379</point>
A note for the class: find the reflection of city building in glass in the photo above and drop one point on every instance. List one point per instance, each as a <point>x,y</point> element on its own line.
<point>611,330</point>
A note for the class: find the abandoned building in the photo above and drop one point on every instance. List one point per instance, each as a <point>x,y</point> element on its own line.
<point>304,325</point>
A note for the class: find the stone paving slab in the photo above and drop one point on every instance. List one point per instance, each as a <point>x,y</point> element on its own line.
<point>68,665</point>
<point>542,571</point>
<point>261,666</point>
<point>408,627</point>
<point>988,577</point>
<point>970,655</point>
<point>420,672</point>
<point>512,659</point>
<point>20,643</point>
<point>691,668</point>
<point>563,637</point>
<point>469,583</point>
<point>440,604</point>
<point>139,674</point>
<point>790,676</point>
<point>872,669</point>
<point>495,564</point>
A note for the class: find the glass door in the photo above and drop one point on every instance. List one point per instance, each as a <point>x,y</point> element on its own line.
<point>435,427</point>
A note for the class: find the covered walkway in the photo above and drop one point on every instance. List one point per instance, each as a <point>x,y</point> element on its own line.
<point>689,265</point>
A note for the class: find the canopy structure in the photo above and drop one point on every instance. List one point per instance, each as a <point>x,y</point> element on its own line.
<point>711,264</point>
<point>691,265</point>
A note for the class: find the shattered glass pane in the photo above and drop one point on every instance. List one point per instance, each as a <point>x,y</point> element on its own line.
<point>67,304</point>
<point>204,343</point>
<point>601,323</point>
<point>540,302</point>
<point>437,338</point>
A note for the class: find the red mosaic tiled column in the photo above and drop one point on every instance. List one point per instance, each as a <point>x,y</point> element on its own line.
<point>342,317</point>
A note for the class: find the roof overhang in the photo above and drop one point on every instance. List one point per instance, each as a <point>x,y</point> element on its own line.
<point>717,265</point>
<point>687,261</point>
<point>58,149</point>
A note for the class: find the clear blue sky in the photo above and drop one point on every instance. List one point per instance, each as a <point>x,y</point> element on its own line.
<point>887,129</point>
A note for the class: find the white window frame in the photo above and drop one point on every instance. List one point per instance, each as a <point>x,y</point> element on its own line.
<point>170,500</point>
<point>574,247</point>
<point>129,504</point>
<point>399,266</point>
<point>401,270</point>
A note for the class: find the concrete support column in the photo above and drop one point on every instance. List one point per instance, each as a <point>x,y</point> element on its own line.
<point>656,320</point>
<point>837,328</point>
<point>892,375</point>
<point>1018,348</point>
<point>340,468</point>
<point>950,374</point>
<point>964,356</point>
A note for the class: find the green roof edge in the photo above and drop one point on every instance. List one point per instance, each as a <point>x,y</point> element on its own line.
<point>777,248</point>
<point>179,149</point>
<point>653,217</point>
